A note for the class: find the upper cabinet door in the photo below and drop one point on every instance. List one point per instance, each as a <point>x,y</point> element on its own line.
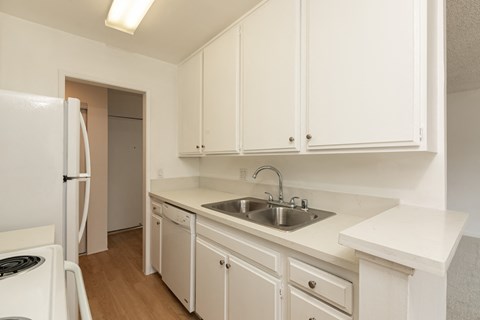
<point>270,78</point>
<point>190,106</point>
<point>365,78</point>
<point>221,63</point>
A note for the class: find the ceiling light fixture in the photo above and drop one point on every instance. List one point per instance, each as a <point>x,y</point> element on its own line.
<point>126,15</point>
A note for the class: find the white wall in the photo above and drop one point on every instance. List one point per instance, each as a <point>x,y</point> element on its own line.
<point>33,56</point>
<point>463,114</point>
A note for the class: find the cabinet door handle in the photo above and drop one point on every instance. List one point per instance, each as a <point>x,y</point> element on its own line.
<point>291,139</point>
<point>203,146</point>
<point>154,208</point>
<point>222,262</point>
<point>312,318</point>
<point>198,147</point>
<point>309,136</point>
<point>228,265</point>
<point>312,284</point>
<point>158,223</point>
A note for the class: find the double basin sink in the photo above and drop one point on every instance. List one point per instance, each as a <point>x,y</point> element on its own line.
<point>268,214</point>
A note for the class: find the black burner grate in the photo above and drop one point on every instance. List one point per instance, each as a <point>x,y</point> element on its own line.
<point>15,265</point>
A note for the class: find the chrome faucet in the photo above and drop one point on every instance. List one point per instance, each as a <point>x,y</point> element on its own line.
<point>280,179</point>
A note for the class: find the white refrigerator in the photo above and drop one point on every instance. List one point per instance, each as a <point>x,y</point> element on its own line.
<point>39,166</point>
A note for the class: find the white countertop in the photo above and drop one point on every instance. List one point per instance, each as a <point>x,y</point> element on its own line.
<point>27,238</point>
<point>319,240</point>
<point>420,238</point>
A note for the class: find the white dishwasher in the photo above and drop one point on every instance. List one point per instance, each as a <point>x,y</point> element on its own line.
<point>178,253</point>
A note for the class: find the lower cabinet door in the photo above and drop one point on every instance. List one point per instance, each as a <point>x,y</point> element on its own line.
<point>305,307</point>
<point>252,293</point>
<point>155,243</point>
<point>210,281</point>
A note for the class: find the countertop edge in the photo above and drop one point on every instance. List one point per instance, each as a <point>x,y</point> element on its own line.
<point>359,237</point>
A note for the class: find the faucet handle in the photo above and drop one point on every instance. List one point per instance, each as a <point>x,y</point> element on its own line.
<point>305,204</point>
<point>292,201</point>
<point>270,197</point>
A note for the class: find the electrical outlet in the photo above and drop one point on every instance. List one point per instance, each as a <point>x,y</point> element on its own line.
<point>243,174</point>
<point>160,173</point>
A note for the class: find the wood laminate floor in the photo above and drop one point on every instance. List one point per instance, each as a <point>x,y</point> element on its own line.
<point>118,289</point>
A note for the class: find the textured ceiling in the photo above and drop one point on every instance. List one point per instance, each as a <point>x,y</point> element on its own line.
<point>463,45</point>
<point>171,30</point>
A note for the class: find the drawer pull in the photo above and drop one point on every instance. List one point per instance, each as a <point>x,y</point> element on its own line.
<point>222,262</point>
<point>228,265</point>
<point>312,284</point>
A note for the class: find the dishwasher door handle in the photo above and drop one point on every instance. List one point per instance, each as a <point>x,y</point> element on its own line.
<point>174,222</point>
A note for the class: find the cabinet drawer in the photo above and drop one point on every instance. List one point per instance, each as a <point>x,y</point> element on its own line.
<point>156,208</point>
<point>305,307</point>
<point>262,255</point>
<point>332,289</point>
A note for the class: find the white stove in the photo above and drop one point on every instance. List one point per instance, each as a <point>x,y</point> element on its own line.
<point>36,292</point>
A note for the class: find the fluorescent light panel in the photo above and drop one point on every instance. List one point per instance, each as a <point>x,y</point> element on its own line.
<point>126,15</point>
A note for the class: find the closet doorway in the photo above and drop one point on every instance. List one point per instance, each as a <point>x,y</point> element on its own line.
<point>125,135</point>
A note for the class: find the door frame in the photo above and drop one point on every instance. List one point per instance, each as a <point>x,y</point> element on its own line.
<point>64,75</point>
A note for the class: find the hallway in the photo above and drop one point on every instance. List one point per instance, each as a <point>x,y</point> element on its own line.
<point>118,289</point>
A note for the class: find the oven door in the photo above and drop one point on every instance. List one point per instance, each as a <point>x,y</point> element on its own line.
<point>81,292</point>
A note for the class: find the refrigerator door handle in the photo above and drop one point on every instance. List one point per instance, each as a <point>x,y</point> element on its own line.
<point>85,177</point>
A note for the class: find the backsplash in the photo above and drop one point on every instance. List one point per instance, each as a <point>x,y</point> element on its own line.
<point>345,203</point>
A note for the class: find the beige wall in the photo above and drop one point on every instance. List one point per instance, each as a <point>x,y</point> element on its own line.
<point>97,100</point>
<point>125,104</point>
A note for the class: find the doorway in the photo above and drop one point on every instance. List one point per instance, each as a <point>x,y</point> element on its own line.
<point>124,160</point>
<point>115,125</point>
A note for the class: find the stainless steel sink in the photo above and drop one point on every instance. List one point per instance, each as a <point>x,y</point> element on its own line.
<point>270,215</point>
<point>238,206</point>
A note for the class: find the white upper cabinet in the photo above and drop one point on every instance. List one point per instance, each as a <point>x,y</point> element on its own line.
<point>327,76</point>
<point>366,73</point>
<point>270,77</point>
<point>221,67</point>
<point>190,106</point>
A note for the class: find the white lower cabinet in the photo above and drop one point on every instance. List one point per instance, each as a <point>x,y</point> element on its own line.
<point>156,242</point>
<point>252,293</point>
<point>326,286</point>
<point>210,281</point>
<point>240,277</point>
<point>305,307</point>
<point>228,287</point>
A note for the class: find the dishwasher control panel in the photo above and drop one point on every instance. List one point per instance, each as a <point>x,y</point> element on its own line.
<point>179,216</point>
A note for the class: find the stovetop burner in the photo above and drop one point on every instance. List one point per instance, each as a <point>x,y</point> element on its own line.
<point>12,266</point>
